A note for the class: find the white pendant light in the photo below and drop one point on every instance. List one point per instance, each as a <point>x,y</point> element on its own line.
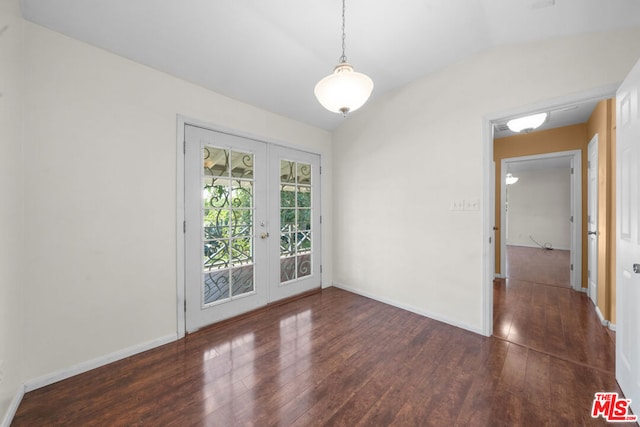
<point>344,90</point>
<point>527,123</point>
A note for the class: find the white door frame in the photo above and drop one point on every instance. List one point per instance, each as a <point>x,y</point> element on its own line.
<point>592,193</point>
<point>181,121</point>
<point>488,193</point>
<point>575,208</point>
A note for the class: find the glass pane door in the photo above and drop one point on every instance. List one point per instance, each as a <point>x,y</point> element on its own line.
<point>252,229</point>
<point>295,204</point>
<point>224,200</point>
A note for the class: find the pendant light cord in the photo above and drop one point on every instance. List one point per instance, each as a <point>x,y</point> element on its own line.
<point>343,58</point>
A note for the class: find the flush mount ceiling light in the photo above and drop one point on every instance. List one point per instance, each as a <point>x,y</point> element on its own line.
<point>510,179</point>
<point>527,123</point>
<point>344,90</point>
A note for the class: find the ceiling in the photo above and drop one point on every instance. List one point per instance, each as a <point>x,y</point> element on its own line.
<point>271,53</point>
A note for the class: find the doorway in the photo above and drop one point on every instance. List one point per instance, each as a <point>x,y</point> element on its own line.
<point>251,227</point>
<point>491,233</point>
<point>544,214</point>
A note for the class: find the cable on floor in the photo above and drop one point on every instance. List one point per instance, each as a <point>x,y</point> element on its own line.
<point>548,246</point>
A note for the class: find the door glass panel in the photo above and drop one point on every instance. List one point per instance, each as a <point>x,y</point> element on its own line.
<point>295,220</point>
<point>242,279</point>
<point>216,161</point>
<point>288,196</point>
<point>216,286</point>
<point>287,219</point>
<point>287,269</point>
<point>304,196</point>
<point>227,224</point>
<point>304,173</point>
<point>303,265</point>
<point>215,193</point>
<point>241,165</point>
<point>287,171</point>
<point>304,219</point>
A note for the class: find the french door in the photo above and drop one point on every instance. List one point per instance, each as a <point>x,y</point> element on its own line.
<point>252,224</point>
<point>294,209</point>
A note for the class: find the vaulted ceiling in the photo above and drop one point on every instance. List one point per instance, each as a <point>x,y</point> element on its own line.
<point>271,53</point>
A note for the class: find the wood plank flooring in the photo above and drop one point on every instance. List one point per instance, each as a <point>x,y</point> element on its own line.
<point>338,359</point>
<point>548,267</point>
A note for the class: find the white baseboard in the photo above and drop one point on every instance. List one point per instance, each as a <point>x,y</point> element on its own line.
<point>65,373</point>
<point>604,321</point>
<point>533,245</point>
<point>499,276</point>
<point>410,308</point>
<point>11,411</point>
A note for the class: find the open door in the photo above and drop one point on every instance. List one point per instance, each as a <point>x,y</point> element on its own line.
<point>592,219</point>
<point>628,238</point>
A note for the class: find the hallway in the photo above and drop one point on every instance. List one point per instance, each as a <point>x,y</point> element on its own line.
<point>545,315</point>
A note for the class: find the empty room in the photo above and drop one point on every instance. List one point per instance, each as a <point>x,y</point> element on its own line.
<point>292,213</point>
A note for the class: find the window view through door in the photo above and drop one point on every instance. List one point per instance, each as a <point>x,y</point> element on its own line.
<point>294,210</point>
<point>227,226</point>
<point>295,220</point>
<point>252,224</point>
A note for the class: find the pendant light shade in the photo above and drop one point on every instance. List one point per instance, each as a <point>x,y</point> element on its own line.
<point>343,91</point>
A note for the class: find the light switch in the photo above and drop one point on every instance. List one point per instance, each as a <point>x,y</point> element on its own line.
<point>472,204</point>
<point>457,205</point>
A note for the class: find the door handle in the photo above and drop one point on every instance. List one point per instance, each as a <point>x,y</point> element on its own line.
<point>591,233</point>
<point>636,268</point>
<point>264,235</point>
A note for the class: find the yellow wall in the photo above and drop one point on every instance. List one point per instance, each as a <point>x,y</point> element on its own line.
<point>602,122</point>
<point>547,141</point>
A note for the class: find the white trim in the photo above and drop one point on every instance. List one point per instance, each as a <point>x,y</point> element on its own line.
<point>408,307</point>
<point>554,248</point>
<point>180,221</point>
<point>13,407</point>
<point>604,321</point>
<point>488,230</point>
<point>593,268</point>
<point>612,326</point>
<point>88,365</point>
<point>488,192</point>
<point>182,120</point>
<point>500,276</point>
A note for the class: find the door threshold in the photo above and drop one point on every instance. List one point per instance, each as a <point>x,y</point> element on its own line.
<point>253,312</point>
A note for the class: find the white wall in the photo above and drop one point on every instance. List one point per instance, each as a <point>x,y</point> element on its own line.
<point>101,196</point>
<point>539,204</point>
<point>11,207</point>
<point>401,160</point>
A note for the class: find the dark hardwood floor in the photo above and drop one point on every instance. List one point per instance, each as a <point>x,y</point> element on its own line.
<point>542,266</point>
<point>339,359</point>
